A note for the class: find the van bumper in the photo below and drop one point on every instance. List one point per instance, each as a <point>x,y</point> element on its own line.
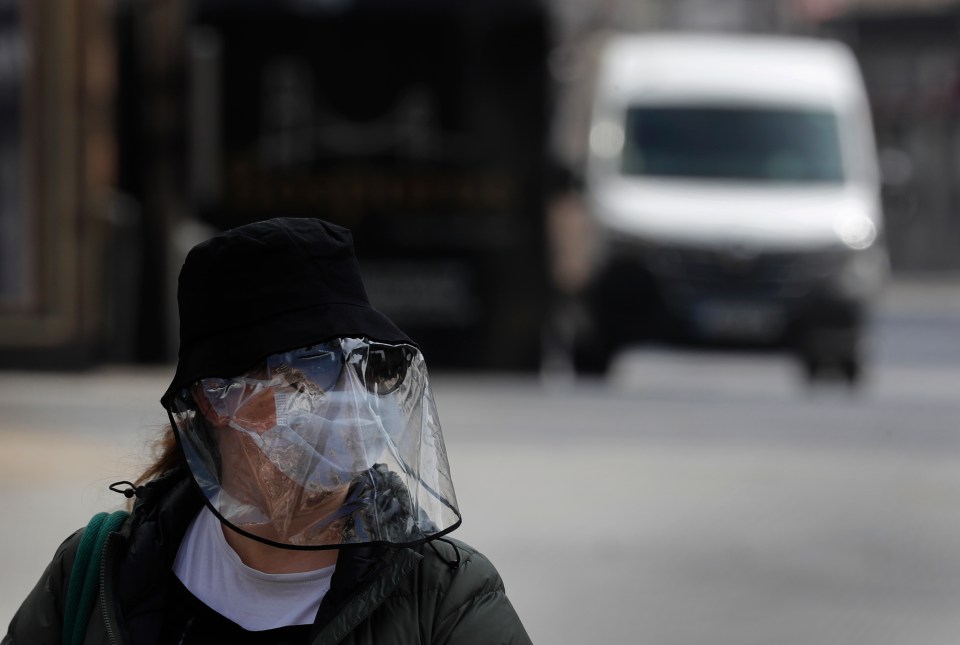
<point>800,299</point>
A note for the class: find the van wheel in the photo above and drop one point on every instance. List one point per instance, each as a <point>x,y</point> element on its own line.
<point>820,370</point>
<point>852,372</point>
<point>590,359</point>
<point>832,353</point>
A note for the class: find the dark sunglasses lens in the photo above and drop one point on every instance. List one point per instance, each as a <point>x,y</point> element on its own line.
<point>386,367</point>
<point>319,364</point>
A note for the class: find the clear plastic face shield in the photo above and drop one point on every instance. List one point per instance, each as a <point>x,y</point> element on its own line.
<point>321,447</point>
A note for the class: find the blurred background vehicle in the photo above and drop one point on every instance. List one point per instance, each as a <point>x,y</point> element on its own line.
<point>733,184</point>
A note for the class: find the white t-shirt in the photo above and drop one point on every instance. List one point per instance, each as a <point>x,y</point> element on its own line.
<point>214,573</point>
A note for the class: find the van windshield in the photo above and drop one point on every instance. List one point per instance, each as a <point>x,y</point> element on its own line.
<point>736,143</point>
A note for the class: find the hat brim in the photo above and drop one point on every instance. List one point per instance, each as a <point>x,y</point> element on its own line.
<point>234,352</point>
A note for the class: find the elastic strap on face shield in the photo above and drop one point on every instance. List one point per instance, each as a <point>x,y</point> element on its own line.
<point>131,490</point>
<point>453,564</point>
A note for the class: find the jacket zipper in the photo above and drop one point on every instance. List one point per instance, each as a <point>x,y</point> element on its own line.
<point>108,616</point>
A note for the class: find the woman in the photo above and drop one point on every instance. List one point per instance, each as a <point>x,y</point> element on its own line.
<point>304,493</point>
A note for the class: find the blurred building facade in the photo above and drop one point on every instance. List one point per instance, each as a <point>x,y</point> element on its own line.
<point>57,173</point>
<point>113,162</point>
<point>145,125</point>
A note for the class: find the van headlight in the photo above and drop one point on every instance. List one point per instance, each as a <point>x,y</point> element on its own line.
<point>606,139</point>
<point>857,231</point>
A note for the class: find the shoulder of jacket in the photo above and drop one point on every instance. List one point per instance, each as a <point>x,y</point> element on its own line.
<point>459,567</point>
<point>66,554</point>
<point>468,600</point>
<point>67,551</point>
<point>38,620</point>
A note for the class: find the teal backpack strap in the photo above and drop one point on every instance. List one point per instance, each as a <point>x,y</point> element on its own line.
<point>85,575</point>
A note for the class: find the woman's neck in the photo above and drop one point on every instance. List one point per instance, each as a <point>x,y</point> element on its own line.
<point>272,559</point>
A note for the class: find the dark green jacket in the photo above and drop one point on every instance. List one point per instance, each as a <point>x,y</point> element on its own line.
<point>440,592</point>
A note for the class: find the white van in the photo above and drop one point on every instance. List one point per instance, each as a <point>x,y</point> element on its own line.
<point>734,184</point>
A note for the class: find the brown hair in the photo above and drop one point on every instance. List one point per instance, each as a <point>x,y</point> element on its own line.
<point>168,457</point>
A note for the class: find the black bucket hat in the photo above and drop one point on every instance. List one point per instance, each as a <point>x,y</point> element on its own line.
<point>270,287</point>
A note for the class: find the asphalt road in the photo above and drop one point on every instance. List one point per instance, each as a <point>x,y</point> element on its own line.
<point>691,498</point>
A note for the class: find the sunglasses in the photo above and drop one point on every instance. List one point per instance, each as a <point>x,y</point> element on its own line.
<point>382,369</point>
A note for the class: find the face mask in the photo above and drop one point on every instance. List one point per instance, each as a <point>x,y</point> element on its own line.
<point>321,442</point>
